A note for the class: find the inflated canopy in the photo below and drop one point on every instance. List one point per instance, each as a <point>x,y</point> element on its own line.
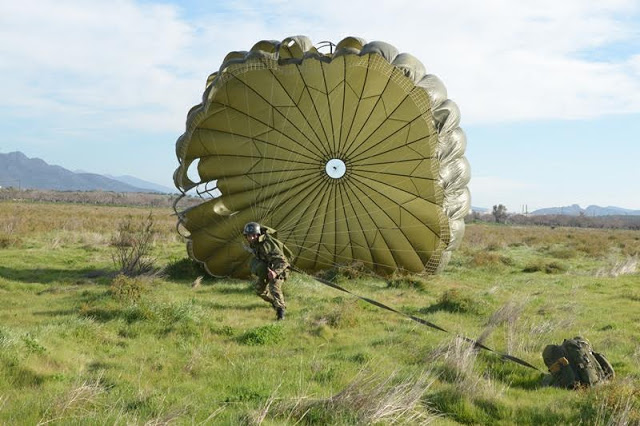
<point>352,155</point>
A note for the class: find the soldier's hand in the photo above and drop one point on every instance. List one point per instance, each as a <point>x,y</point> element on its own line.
<point>271,275</point>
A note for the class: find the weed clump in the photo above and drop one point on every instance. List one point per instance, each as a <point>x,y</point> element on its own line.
<point>562,253</point>
<point>548,267</point>
<point>416,282</point>
<point>8,241</point>
<point>126,289</point>
<point>32,344</point>
<point>265,335</point>
<point>344,315</point>
<point>489,259</point>
<point>454,300</point>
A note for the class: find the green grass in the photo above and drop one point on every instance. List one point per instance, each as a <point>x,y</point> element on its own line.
<point>80,345</point>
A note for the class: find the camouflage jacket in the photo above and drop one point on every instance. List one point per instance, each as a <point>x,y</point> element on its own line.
<point>269,250</point>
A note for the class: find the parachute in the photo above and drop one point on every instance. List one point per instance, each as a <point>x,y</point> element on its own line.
<point>353,155</point>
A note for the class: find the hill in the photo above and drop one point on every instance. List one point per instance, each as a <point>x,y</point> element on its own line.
<point>18,170</point>
<point>591,211</point>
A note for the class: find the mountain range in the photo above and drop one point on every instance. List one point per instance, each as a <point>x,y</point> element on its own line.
<point>590,211</point>
<point>18,170</point>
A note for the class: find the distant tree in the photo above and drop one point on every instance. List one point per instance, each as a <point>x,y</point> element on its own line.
<point>499,213</point>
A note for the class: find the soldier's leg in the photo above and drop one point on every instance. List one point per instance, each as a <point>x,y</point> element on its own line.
<point>275,288</point>
<point>262,290</point>
<point>259,269</point>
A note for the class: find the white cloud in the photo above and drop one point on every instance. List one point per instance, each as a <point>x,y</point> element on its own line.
<point>143,65</point>
<point>81,71</point>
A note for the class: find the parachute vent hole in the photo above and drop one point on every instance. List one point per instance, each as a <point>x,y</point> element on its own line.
<point>335,168</point>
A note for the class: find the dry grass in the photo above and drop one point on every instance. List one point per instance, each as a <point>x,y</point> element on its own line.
<point>25,219</point>
<point>79,401</point>
<point>371,398</point>
<point>566,242</point>
<point>459,358</point>
<point>624,267</point>
<point>616,404</point>
<point>508,314</point>
<point>167,418</point>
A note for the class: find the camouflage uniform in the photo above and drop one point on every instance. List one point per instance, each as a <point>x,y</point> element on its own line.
<point>269,254</point>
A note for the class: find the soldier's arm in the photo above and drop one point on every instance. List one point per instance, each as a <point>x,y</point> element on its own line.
<point>278,262</point>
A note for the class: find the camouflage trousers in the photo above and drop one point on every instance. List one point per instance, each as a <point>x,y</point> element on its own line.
<point>270,291</point>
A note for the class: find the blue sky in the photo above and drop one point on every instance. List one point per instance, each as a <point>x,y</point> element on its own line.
<point>549,91</point>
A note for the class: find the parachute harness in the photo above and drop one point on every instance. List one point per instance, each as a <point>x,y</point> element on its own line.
<point>475,343</point>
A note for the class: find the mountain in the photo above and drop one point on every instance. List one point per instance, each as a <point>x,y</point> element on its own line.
<point>134,181</point>
<point>18,170</point>
<point>576,210</point>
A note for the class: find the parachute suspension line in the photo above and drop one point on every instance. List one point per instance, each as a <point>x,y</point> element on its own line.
<point>335,168</point>
<point>326,138</point>
<point>269,205</point>
<point>326,44</point>
<point>475,343</point>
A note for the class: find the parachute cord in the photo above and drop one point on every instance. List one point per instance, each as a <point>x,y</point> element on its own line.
<point>475,343</point>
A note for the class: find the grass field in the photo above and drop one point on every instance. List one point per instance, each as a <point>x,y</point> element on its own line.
<point>81,345</point>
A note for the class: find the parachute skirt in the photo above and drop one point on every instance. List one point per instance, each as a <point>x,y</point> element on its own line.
<point>353,156</point>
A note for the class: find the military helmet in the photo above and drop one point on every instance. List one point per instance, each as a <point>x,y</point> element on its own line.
<point>251,228</point>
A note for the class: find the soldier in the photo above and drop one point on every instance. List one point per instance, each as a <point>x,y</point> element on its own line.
<point>270,265</point>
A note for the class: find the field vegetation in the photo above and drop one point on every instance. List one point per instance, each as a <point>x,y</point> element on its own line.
<point>87,339</point>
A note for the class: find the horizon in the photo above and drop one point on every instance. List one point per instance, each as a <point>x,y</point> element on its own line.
<point>550,111</point>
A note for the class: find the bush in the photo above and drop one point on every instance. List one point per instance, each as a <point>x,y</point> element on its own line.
<point>126,289</point>
<point>133,247</point>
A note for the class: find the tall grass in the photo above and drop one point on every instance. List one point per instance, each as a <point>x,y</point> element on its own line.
<point>81,345</point>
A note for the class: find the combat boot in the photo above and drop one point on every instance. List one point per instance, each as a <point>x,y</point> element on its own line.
<point>279,314</point>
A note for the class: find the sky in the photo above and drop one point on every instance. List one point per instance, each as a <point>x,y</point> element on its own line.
<point>549,91</point>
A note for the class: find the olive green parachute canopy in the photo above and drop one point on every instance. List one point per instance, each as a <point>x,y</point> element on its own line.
<point>355,155</point>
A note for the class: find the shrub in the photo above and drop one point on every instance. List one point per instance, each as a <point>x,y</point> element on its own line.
<point>132,245</point>
<point>126,289</point>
